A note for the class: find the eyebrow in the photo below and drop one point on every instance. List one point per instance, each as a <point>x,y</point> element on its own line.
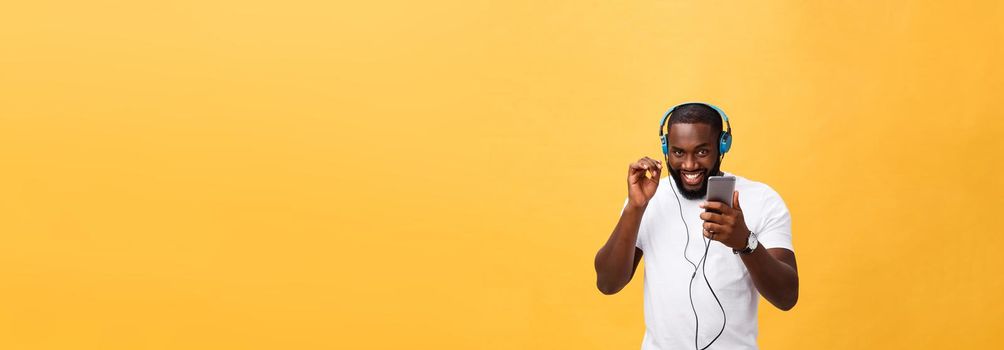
<point>698,146</point>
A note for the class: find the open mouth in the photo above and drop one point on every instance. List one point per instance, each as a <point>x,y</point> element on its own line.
<point>692,178</point>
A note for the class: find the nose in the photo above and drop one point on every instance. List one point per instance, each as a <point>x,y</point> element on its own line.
<point>689,163</point>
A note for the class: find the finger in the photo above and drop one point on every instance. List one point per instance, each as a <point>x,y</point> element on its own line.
<point>636,176</point>
<point>655,162</point>
<point>735,200</point>
<point>648,162</point>
<point>714,217</point>
<point>639,165</point>
<point>715,235</point>
<point>645,165</point>
<point>652,167</point>
<point>635,172</point>
<point>656,172</point>
<point>716,228</point>
<point>719,207</point>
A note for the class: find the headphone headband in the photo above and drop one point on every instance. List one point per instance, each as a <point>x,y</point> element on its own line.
<point>724,141</point>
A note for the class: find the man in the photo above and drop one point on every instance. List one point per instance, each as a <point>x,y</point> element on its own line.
<point>682,290</point>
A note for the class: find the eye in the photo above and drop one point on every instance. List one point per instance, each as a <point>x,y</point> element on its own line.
<point>678,153</point>
<point>703,152</point>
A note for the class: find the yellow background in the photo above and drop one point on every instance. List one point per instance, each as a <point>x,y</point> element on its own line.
<point>388,174</point>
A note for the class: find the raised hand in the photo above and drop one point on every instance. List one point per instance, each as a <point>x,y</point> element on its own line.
<point>641,188</point>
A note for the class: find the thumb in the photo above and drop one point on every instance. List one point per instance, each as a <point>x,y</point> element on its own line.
<point>735,200</point>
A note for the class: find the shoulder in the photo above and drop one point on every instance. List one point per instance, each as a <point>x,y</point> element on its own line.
<point>665,188</point>
<point>756,191</point>
<point>666,191</point>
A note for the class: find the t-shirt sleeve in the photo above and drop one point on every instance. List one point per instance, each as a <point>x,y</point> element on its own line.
<point>776,228</point>
<point>642,228</point>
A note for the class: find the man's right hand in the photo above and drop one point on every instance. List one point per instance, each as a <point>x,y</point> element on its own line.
<point>642,188</point>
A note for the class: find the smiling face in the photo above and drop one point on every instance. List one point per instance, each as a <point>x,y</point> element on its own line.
<point>693,157</point>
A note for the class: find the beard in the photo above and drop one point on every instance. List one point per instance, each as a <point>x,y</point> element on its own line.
<point>698,193</point>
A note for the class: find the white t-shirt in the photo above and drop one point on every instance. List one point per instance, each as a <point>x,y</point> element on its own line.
<point>669,319</point>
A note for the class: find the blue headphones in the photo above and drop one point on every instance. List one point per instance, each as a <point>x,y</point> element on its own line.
<point>724,141</point>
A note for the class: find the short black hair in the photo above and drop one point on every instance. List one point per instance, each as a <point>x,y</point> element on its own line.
<point>696,113</point>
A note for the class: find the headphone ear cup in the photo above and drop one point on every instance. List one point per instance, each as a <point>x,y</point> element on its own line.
<point>665,147</point>
<point>725,143</point>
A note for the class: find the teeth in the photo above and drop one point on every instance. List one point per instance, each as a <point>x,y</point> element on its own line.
<point>692,176</point>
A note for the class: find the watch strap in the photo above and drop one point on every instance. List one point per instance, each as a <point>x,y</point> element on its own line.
<point>751,244</point>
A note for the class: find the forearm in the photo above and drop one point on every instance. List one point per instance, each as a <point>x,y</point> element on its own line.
<point>614,262</point>
<point>775,279</point>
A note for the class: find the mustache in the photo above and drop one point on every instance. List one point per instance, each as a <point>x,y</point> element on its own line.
<point>677,172</point>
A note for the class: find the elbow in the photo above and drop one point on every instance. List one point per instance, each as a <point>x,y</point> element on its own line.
<point>787,306</point>
<point>788,303</point>
<point>790,298</point>
<point>608,288</point>
<point>604,281</point>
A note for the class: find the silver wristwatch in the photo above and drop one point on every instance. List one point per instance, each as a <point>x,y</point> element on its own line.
<point>750,245</point>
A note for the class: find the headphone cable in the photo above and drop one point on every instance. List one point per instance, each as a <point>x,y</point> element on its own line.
<point>703,260</point>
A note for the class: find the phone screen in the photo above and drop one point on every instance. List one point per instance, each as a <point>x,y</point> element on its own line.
<point>720,189</point>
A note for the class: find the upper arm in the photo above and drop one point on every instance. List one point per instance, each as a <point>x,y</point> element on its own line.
<point>773,230</point>
<point>637,258</point>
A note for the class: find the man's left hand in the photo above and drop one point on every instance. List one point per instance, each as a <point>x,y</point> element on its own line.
<point>725,224</point>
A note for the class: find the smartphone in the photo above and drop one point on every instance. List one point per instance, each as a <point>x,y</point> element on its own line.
<point>720,189</point>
